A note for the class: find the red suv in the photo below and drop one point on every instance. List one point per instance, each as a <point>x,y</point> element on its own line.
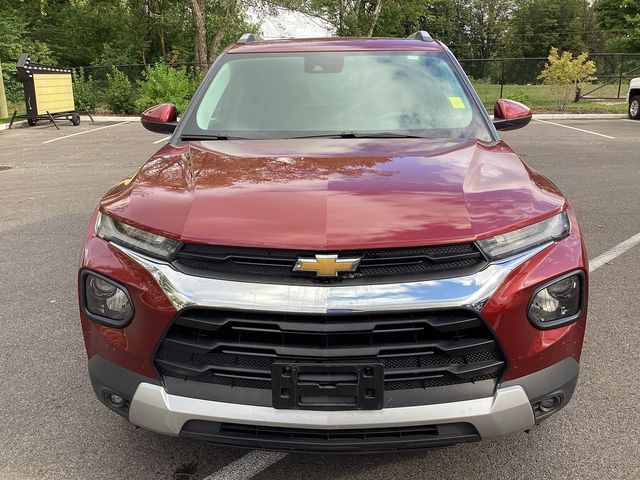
<point>334,252</point>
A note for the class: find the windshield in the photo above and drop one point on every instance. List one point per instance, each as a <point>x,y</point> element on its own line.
<point>349,94</point>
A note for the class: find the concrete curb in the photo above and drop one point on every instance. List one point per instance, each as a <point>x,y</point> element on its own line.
<point>114,118</point>
<point>579,116</point>
<point>21,123</point>
<point>97,118</point>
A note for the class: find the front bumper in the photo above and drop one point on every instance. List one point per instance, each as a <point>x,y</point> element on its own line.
<point>506,412</point>
<point>509,410</point>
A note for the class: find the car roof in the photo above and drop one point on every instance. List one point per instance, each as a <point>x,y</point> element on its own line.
<point>334,44</point>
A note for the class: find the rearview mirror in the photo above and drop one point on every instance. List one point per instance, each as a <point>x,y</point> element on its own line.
<point>161,118</point>
<point>510,115</point>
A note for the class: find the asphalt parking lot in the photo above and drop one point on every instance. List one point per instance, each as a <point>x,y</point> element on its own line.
<point>53,427</point>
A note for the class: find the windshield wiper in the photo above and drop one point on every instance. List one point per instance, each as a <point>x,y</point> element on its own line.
<point>209,137</point>
<point>361,135</point>
<point>205,137</point>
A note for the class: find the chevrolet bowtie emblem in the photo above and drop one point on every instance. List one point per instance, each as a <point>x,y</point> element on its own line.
<point>326,265</point>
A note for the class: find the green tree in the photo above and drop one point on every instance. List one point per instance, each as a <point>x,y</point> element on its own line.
<point>488,25</point>
<point>474,28</point>
<point>346,17</point>
<point>537,25</point>
<point>446,20</point>
<point>217,23</point>
<point>12,32</point>
<point>621,21</point>
<point>85,33</point>
<point>403,18</point>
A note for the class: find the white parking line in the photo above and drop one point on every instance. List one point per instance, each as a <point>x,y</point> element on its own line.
<point>615,252</point>
<point>247,466</point>
<point>576,128</point>
<point>81,133</point>
<point>162,139</point>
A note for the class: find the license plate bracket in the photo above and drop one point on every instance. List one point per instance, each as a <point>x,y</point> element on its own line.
<point>324,386</point>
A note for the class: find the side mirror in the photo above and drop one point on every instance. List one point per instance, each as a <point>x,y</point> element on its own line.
<point>162,118</point>
<point>510,115</point>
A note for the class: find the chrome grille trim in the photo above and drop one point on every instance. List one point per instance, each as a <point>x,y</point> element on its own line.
<point>468,291</point>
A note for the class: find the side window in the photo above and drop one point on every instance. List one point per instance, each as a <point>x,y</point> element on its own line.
<point>211,99</point>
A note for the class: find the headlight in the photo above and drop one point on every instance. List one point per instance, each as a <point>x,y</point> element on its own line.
<point>526,238</point>
<point>146,242</point>
<point>557,303</point>
<point>106,300</point>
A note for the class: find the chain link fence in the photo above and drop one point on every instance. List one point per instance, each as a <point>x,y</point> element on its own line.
<point>614,72</point>
<point>517,78</point>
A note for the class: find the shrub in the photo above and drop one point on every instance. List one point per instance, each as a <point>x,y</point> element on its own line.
<point>162,83</point>
<point>565,74</point>
<point>519,97</point>
<point>86,93</point>
<point>12,86</point>
<point>119,94</point>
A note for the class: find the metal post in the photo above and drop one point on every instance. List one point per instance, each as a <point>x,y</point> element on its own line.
<point>502,80</point>
<point>621,75</point>
<point>52,120</point>
<point>13,117</point>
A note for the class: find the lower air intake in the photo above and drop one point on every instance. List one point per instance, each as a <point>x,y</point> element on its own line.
<point>331,441</point>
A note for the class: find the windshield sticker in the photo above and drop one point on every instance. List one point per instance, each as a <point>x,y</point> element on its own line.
<point>456,102</point>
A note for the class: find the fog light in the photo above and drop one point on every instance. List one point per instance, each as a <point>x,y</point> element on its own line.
<point>557,303</point>
<point>547,406</point>
<point>107,301</point>
<point>115,400</point>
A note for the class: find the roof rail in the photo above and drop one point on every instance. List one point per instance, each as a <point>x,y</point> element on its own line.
<point>422,36</point>
<point>249,37</point>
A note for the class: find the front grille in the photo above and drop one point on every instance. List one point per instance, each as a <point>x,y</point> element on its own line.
<point>348,440</point>
<point>377,265</point>
<point>419,350</point>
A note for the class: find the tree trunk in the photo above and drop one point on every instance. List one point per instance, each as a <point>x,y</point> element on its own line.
<point>3,98</point>
<point>219,36</point>
<point>199,21</point>
<point>162,45</point>
<point>374,20</point>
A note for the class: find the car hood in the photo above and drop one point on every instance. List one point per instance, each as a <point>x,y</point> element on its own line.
<point>328,194</point>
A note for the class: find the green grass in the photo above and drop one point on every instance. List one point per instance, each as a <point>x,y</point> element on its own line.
<point>540,98</point>
<point>11,107</point>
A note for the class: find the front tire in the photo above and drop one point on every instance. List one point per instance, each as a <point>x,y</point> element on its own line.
<point>634,107</point>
